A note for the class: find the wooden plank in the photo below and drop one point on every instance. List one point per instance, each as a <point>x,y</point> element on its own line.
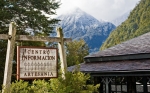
<point>9,56</point>
<point>37,38</point>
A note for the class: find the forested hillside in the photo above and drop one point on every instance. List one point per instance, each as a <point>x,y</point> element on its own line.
<point>137,24</point>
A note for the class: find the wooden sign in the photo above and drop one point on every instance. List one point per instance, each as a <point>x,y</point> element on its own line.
<point>22,68</point>
<point>36,62</point>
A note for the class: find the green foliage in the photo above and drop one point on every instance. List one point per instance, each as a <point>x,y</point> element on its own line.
<point>3,49</point>
<point>27,14</point>
<point>73,83</point>
<point>76,51</point>
<point>18,87</point>
<point>39,86</point>
<point>137,24</point>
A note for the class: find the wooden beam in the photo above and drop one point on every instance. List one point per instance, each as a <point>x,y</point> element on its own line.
<point>9,55</point>
<point>38,38</point>
<point>35,38</point>
<point>62,52</point>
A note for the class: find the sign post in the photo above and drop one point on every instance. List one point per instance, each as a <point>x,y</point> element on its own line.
<point>62,52</point>
<point>11,37</point>
<point>9,55</point>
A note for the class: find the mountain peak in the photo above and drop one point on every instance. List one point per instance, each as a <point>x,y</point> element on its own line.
<point>76,11</point>
<point>77,15</point>
<point>73,9</point>
<point>78,24</point>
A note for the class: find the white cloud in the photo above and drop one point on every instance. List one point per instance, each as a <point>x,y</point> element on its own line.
<point>100,9</point>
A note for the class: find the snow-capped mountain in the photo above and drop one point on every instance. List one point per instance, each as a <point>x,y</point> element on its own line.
<point>120,19</point>
<point>77,24</point>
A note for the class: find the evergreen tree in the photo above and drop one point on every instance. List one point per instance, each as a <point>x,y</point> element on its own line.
<point>76,51</point>
<point>33,14</point>
<point>28,14</point>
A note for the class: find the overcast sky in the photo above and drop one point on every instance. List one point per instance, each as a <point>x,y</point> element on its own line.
<point>101,9</point>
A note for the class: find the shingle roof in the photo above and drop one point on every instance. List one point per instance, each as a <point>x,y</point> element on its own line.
<point>128,65</point>
<point>137,47</point>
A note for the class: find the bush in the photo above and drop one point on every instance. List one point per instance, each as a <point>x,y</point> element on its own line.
<point>75,82</point>
<point>18,87</point>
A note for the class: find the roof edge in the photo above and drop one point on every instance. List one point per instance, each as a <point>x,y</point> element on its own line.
<point>117,58</point>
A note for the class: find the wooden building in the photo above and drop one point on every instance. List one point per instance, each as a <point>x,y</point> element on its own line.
<point>124,68</point>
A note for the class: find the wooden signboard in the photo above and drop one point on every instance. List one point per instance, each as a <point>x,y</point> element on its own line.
<point>36,62</point>
<point>29,67</point>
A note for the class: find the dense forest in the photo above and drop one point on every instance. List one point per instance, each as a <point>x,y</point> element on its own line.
<point>137,24</point>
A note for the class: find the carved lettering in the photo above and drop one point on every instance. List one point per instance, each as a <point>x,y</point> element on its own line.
<point>32,74</point>
<point>29,57</point>
<point>25,74</point>
<point>35,51</point>
<point>36,63</point>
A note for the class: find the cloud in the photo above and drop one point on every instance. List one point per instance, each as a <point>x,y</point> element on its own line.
<point>100,9</point>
